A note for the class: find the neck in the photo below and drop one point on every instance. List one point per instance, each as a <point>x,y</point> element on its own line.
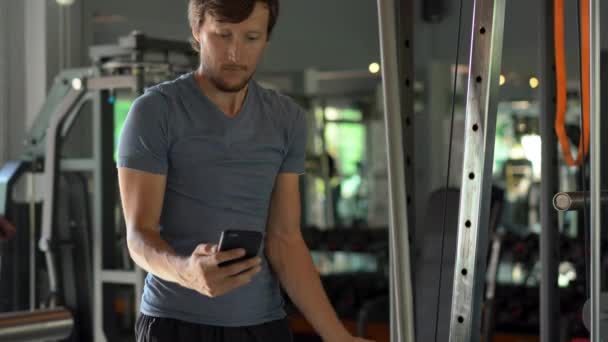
<point>229,103</point>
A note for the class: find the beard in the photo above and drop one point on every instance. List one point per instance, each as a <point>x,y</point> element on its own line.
<point>221,84</point>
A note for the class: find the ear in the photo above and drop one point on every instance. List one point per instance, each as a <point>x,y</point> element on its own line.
<point>196,32</point>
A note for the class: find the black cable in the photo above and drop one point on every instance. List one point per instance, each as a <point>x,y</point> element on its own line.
<point>447,182</point>
<point>582,172</point>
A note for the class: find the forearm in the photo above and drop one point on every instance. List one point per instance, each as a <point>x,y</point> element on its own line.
<point>293,265</point>
<point>153,254</point>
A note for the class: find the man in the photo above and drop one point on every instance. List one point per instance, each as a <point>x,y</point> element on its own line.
<point>210,151</point>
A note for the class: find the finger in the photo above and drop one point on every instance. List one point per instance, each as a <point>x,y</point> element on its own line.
<point>240,280</point>
<point>239,267</point>
<point>232,254</point>
<point>204,249</point>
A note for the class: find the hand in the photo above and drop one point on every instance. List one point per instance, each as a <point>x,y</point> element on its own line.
<point>200,271</point>
<point>7,230</point>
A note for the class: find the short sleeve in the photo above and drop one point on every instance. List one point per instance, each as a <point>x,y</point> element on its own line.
<point>143,143</point>
<point>294,159</point>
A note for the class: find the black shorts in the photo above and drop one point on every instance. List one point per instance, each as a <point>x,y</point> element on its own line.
<point>154,329</point>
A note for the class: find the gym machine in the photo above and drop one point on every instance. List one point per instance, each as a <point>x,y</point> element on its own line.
<point>84,285</point>
<point>474,211</point>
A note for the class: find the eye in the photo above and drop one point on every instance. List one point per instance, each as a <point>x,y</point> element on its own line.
<point>225,34</point>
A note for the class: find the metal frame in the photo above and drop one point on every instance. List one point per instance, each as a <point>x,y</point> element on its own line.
<point>104,187</point>
<point>405,40</point>
<point>139,42</point>
<point>595,161</point>
<point>47,325</point>
<point>480,129</point>
<point>50,182</point>
<point>405,54</point>
<point>46,144</point>
<point>103,179</point>
<point>104,183</point>
<point>402,322</point>
<point>549,235</point>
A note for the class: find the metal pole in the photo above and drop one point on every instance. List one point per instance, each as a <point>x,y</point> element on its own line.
<point>405,54</point>
<point>51,165</point>
<point>41,325</point>
<point>475,195</point>
<point>575,200</point>
<point>402,321</point>
<point>596,219</point>
<point>549,234</point>
<point>405,39</point>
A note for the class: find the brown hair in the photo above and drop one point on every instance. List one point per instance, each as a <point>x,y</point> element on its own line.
<point>232,11</point>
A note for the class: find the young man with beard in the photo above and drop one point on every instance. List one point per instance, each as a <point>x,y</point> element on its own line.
<point>209,151</point>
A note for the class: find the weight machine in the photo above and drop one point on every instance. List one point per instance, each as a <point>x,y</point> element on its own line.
<point>89,289</point>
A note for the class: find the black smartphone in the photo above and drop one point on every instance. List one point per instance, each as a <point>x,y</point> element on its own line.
<point>250,241</point>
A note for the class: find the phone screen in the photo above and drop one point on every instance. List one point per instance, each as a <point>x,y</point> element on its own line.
<point>250,241</point>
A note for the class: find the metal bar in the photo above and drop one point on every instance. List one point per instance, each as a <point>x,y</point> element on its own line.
<point>140,42</point>
<point>595,161</point>
<point>402,320</point>
<point>42,325</point>
<point>480,131</point>
<point>549,233</point>
<point>119,277</point>
<point>112,82</point>
<point>4,77</point>
<point>405,54</point>
<point>575,200</point>
<point>32,243</point>
<point>50,181</point>
<point>392,309</point>
<point>98,222</point>
<point>489,311</point>
<point>77,165</point>
<point>405,41</point>
<point>67,126</point>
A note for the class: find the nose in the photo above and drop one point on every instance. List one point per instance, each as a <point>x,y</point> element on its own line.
<point>234,51</point>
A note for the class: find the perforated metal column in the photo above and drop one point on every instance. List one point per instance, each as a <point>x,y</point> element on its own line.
<point>480,131</point>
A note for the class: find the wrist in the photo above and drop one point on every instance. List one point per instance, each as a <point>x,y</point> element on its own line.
<point>179,265</point>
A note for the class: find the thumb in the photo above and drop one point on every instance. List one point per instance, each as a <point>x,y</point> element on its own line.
<point>205,249</point>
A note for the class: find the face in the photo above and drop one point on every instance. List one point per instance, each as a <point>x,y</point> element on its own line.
<point>230,51</point>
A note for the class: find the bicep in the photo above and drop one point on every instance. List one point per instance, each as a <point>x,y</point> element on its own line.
<point>284,214</point>
<point>142,195</point>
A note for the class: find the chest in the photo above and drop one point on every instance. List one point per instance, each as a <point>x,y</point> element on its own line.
<point>250,150</point>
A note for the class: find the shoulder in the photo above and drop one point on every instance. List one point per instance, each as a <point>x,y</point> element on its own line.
<point>169,89</point>
<point>158,97</point>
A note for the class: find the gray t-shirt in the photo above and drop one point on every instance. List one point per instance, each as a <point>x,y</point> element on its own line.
<point>220,175</point>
